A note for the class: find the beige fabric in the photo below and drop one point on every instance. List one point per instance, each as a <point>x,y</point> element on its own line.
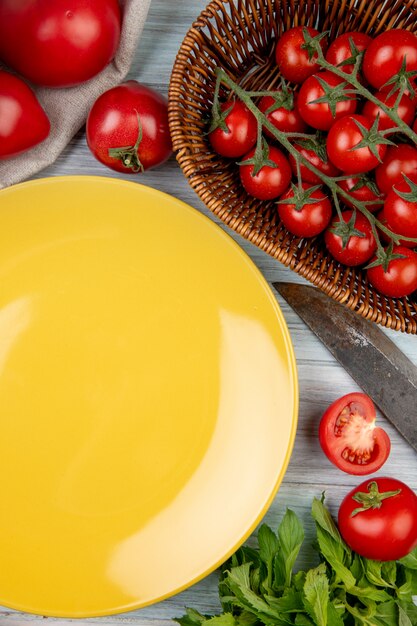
<point>68,108</point>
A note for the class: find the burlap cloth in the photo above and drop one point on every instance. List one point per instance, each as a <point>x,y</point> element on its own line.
<point>68,108</point>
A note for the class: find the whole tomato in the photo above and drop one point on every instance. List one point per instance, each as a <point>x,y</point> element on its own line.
<point>241,132</point>
<point>314,151</point>
<point>305,211</point>
<point>342,50</point>
<point>59,43</point>
<point>343,145</point>
<point>400,211</point>
<point>292,55</point>
<point>23,122</point>
<point>364,189</point>
<point>400,278</point>
<point>323,99</point>
<point>285,118</point>
<point>350,249</point>
<point>399,160</point>
<point>386,54</point>
<point>127,128</point>
<point>406,109</point>
<point>272,178</point>
<point>349,438</point>
<point>378,519</point>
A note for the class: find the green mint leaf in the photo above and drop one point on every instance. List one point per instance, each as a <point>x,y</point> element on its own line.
<point>334,554</point>
<point>405,591</point>
<point>403,619</point>
<point>323,519</point>
<point>369,593</point>
<point>238,580</point>
<point>191,618</point>
<point>316,594</point>
<point>373,573</point>
<point>291,536</point>
<point>226,619</point>
<point>334,615</point>
<point>410,609</point>
<point>298,580</point>
<point>410,560</point>
<point>268,543</point>
<point>386,614</point>
<point>303,620</point>
<point>245,618</point>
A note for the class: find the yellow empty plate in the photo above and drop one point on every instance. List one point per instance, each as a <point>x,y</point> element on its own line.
<point>148,396</point>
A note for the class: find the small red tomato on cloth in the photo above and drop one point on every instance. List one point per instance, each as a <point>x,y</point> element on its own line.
<point>378,519</point>
<point>127,128</point>
<point>270,179</point>
<point>305,211</point>
<point>239,133</point>
<point>60,43</point>
<point>292,54</point>
<point>349,437</point>
<point>23,122</point>
<point>386,54</point>
<point>351,240</point>
<point>323,98</point>
<point>399,279</point>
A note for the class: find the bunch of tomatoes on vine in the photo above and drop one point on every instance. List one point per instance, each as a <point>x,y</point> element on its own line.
<point>334,146</point>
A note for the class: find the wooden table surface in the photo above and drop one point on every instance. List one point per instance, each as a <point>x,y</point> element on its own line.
<point>321,378</point>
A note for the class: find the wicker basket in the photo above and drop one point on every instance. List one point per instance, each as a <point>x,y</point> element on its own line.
<point>240,35</point>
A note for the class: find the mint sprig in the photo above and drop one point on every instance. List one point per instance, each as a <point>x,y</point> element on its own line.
<point>258,586</point>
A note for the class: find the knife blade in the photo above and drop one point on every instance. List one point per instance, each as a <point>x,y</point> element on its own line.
<point>366,353</point>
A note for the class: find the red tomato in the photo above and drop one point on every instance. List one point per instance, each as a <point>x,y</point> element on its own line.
<point>60,43</point>
<point>321,115</point>
<point>349,437</point>
<point>292,57</point>
<point>241,134</point>
<point>399,160</point>
<point>23,122</point>
<point>342,139</point>
<point>127,128</point>
<point>316,154</point>
<point>400,279</point>
<point>363,189</point>
<point>310,218</point>
<point>385,55</point>
<point>406,109</point>
<point>353,250</point>
<point>381,522</point>
<point>401,214</point>
<point>269,182</point>
<point>285,120</point>
<point>340,49</point>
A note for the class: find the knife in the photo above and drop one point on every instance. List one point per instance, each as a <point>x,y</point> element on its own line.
<point>366,353</point>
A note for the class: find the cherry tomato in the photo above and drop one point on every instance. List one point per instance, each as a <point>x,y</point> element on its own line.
<point>285,120</point>
<point>343,137</point>
<point>355,250</point>
<point>269,182</point>
<point>401,214</point>
<point>340,50</point>
<point>406,109</point>
<point>316,154</point>
<point>60,43</point>
<point>23,122</point>
<point>321,115</point>
<point>363,189</point>
<point>291,54</point>
<point>241,134</point>
<point>400,279</point>
<point>127,128</point>
<point>399,160</point>
<point>385,55</point>
<point>349,437</point>
<point>307,220</point>
<point>378,519</point>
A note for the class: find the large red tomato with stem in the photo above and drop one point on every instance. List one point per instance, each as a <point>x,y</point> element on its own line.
<point>406,109</point>
<point>271,179</point>
<point>240,131</point>
<point>285,118</point>
<point>399,160</point>
<point>342,50</point>
<point>345,145</point>
<point>362,188</point>
<point>386,54</point>
<point>349,437</point>
<point>323,98</point>
<point>400,211</point>
<point>292,54</point>
<point>350,240</point>
<point>378,519</point>
<point>23,122</point>
<point>127,128</point>
<point>399,279</point>
<point>314,151</point>
<point>305,210</point>
<point>59,43</point>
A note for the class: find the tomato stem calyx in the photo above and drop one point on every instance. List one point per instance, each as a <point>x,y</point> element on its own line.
<point>372,499</point>
<point>129,155</point>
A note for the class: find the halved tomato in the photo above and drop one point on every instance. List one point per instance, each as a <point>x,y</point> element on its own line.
<point>349,437</point>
